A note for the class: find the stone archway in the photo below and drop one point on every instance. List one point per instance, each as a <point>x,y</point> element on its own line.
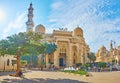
<point>62,59</point>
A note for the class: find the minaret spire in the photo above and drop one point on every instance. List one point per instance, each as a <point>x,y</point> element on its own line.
<point>30,23</point>
<point>111,45</point>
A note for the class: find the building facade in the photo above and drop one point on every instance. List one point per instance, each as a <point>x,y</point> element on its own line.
<point>104,55</point>
<point>71,45</point>
<point>8,63</point>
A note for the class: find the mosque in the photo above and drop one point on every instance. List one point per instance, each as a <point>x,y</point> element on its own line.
<point>71,45</point>
<point>112,55</point>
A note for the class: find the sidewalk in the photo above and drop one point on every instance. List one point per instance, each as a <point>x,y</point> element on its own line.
<point>60,77</point>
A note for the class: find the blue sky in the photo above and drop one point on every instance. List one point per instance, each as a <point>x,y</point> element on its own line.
<point>99,19</point>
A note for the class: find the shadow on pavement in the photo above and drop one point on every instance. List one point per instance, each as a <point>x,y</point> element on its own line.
<point>6,73</point>
<point>41,80</point>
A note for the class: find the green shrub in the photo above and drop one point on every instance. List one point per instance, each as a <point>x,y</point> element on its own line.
<point>87,64</point>
<point>113,61</point>
<point>102,64</point>
<point>83,67</point>
<point>82,72</point>
<point>43,63</point>
<point>78,64</point>
<point>51,63</point>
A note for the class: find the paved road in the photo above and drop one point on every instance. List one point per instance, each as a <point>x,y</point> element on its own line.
<point>59,77</point>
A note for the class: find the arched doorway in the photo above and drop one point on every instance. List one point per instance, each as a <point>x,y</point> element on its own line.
<point>62,58</point>
<point>62,61</point>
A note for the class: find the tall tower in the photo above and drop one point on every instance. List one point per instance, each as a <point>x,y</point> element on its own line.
<point>111,45</point>
<point>30,23</point>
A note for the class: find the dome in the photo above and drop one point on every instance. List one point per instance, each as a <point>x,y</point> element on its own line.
<point>40,29</point>
<point>78,31</point>
<point>103,48</point>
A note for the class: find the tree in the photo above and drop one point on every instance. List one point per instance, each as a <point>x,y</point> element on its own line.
<point>21,44</point>
<point>32,60</point>
<point>92,57</point>
<point>50,48</point>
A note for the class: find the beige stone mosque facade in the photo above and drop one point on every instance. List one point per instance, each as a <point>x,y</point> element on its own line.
<point>104,55</point>
<point>71,45</point>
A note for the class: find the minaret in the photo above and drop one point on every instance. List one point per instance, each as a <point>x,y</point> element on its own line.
<point>30,23</point>
<point>111,45</point>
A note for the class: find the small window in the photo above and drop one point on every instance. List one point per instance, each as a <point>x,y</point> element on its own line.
<point>8,62</point>
<point>14,62</point>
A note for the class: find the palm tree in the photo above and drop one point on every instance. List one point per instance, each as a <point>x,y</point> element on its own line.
<point>92,57</point>
<point>50,48</point>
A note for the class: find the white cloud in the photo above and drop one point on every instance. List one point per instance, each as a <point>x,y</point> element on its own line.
<point>92,17</point>
<point>56,5</point>
<point>52,20</point>
<point>15,26</point>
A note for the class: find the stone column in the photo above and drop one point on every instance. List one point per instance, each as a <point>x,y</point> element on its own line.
<point>78,58</point>
<point>82,55</point>
<point>56,59</point>
<point>70,55</point>
<point>56,54</point>
<point>47,60</point>
<point>85,56</point>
